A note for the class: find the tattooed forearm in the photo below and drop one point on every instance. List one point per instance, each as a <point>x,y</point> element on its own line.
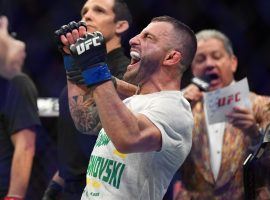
<point>84,114</point>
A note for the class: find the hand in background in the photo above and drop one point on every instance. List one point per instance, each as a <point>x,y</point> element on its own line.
<point>243,119</point>
<point>12,52</point>
<point>192,93</point>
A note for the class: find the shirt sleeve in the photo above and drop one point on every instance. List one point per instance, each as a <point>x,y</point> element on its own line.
<point>21,106</point>
<point>173,117</point>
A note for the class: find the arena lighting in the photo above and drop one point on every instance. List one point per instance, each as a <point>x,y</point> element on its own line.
<point>48,107</point>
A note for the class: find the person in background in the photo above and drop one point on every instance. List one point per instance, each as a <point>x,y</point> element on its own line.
<point>213,169</point>
<point>112,18</point>
<point>18,118</point>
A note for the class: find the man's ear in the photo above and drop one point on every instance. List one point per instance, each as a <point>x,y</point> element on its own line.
<point>121,26</point>
<point>172,58</point>
<point>234,63</point>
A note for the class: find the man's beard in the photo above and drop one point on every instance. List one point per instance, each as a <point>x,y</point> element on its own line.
<point>141,75</point>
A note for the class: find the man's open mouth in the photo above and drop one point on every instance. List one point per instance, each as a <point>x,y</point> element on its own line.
<point>135,57</point>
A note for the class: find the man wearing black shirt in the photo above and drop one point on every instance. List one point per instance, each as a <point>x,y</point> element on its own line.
<point>112,18</point>
<point>18,118</point>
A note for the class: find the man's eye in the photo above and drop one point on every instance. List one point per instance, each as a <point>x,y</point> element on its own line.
<point>83,12</point>
<point>99,10</point>
<point>148,36</point>
<point>199,59</point>
<point>217,55</point>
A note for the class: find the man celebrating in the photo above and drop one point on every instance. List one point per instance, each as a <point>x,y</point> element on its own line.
<point>112,18</point>
<point>141,144</point>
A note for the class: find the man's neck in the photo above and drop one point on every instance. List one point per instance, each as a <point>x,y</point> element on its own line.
<point>154,85</point>
<point>112,44</point>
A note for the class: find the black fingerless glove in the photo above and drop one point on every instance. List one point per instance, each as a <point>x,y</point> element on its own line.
<point>90,54</point>
<point>73,72</point>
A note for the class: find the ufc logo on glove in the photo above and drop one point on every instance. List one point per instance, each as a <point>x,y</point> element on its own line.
<point>89,53</point>
<point>86,45</point>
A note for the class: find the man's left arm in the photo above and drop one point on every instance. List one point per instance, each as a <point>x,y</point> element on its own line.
<point>23,122</point>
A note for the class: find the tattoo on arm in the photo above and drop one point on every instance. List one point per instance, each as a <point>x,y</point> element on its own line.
<point>84,114</point>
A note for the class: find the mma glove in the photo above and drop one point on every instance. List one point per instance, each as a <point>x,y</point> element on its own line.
<point>72,71</point>
<point>89,53</point>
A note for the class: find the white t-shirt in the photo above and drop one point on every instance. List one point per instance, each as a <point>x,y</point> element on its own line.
<point>112,175</point>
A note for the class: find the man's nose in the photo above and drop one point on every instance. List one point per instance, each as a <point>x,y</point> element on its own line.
<point>134,40</point>
<point>87,16</point>
<point>210,63</point>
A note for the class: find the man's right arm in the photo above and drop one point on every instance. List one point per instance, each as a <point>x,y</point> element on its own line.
<point>83,109</point>
<point>82,106</point>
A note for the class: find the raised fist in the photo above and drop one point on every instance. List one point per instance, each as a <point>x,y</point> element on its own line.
<point>89,53</point>
<point>61,35</point>
<point>65,36</point>
<point>89,50</point>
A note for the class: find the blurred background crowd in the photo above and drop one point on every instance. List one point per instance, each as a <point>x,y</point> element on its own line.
<point>246,22</point>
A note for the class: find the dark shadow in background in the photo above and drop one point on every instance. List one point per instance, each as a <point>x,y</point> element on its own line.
<point>246,22</point>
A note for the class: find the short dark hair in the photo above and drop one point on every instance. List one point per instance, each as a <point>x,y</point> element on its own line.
<point>122,11</point>
<point>185,40</point>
